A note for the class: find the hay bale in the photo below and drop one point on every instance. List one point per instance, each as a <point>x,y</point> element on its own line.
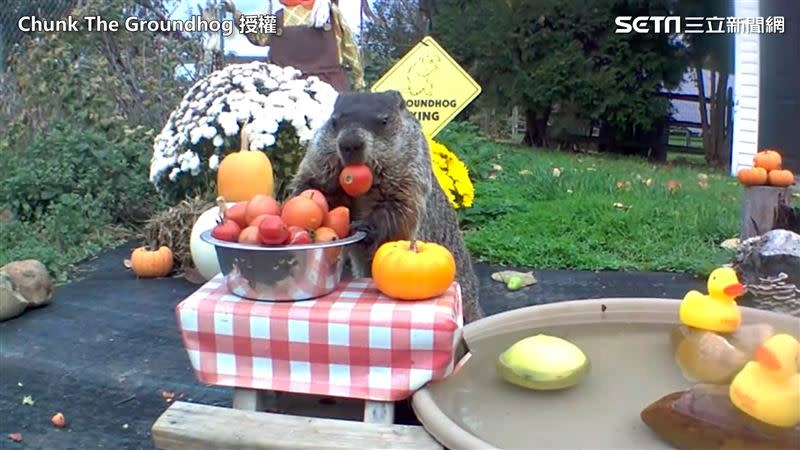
<point>173,227</point>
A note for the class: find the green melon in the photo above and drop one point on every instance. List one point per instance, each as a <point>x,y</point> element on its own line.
<point>543,362</point>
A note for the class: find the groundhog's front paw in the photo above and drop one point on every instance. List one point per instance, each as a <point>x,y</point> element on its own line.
<point>367,228</point>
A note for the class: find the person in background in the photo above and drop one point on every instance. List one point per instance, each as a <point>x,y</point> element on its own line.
<point>312,37</point>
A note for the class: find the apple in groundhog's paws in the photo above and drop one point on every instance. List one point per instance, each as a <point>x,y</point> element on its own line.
<point>273,231</point>
<point>227,230</point>
<point>299,236</point>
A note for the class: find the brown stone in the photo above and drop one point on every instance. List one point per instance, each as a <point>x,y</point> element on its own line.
<point>12,303</point>
<point>30,278</point>
<point>703,417</point>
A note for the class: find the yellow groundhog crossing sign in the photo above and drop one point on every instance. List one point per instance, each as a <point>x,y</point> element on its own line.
<point>434,86</point>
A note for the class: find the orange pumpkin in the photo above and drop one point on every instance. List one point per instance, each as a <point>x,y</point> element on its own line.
<point>782,178</point>
<point>243,174</point>
<point>768,159</point>
<point>413,270</point>
<point>752,176</point>
<point>148,262</point>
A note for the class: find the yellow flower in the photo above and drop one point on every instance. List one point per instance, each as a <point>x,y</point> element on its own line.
<point>452,175</point>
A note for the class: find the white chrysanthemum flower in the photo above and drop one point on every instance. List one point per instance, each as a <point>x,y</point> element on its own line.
<point>195,135</point>
<point>228,122</point>
<point>209,132</point>
<point>305,134</point>
<point>268,140</point>
<point>259,95</point>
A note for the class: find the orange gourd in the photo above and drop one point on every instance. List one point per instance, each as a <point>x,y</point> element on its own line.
<point>243,174</point>
<point>149,262</point>
<point>752,176</point>
<point>768,159</point>
<point>781,178</point>
<point>413,270</point>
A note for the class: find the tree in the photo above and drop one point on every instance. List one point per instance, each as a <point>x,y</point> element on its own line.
<point>712,52</point>
<point>545,53</point>
<point>397,29</point>
<point>99,79</point>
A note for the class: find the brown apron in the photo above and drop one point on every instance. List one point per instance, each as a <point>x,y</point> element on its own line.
<point>313,51</point>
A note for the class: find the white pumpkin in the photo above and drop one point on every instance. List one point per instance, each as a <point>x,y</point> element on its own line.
<point>204,256</point>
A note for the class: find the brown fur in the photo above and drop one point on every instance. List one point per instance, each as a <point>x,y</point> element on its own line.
<point>405,200</point>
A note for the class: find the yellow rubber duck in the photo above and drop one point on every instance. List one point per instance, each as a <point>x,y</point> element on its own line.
<point>716,311</point>
<point>768,388</point>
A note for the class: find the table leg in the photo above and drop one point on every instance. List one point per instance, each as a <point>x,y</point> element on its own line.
<point>379,412</point>
<point>253,399</point>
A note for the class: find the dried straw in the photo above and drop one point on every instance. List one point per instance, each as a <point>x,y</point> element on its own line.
<point>173,227</point>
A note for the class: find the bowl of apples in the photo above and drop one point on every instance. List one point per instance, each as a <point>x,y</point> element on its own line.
<point>293,251</point>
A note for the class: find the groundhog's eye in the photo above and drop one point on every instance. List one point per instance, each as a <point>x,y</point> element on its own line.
<point>385,120</point>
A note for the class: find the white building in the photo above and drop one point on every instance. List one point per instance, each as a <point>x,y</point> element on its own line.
<point>766,111</point>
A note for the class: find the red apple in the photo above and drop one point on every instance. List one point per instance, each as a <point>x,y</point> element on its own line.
<point>302,212</point>
<point>261,204</point>
<point>273,231</point>
<point>227,230</point>
<point>249,235</point>
<point>299,236</point>
<point>258,219</point>
<point>237,213</point>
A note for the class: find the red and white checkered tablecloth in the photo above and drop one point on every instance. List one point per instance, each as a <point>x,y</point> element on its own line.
<point>353,343</point>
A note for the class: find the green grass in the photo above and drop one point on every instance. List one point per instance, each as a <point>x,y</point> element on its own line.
<point>526,216</point>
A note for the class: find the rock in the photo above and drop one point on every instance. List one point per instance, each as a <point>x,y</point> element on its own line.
<point>30,278</point>
<point>703,417</point>
<point>769,265</point>
<point>12,303</point>
<point>709,357</point>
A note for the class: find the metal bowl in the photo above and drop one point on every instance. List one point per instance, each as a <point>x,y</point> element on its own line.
<point>281,273</point>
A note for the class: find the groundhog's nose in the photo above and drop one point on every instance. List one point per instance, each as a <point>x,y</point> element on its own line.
<point>351,145</point>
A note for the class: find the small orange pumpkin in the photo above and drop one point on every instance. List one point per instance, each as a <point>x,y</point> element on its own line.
<point>413,270</point>
<point>781,178</point>
<point>243,174</point>
<point>768,159</point>
<point>149,262</point>
<point>752,176</point>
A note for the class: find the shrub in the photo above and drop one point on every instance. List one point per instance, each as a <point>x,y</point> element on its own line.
<point>68,189</point>
<point>81,170</point>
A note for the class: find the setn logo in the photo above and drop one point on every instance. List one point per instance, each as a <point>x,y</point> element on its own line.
<point>639,24</point>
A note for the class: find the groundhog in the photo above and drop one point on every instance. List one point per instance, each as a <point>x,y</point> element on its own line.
<point>405,199</point>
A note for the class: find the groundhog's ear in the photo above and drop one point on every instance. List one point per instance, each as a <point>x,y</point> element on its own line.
<point>398,98</point>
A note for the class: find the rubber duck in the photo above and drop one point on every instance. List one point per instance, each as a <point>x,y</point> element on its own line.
<point>768,389</point>
<point>716,311</point>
